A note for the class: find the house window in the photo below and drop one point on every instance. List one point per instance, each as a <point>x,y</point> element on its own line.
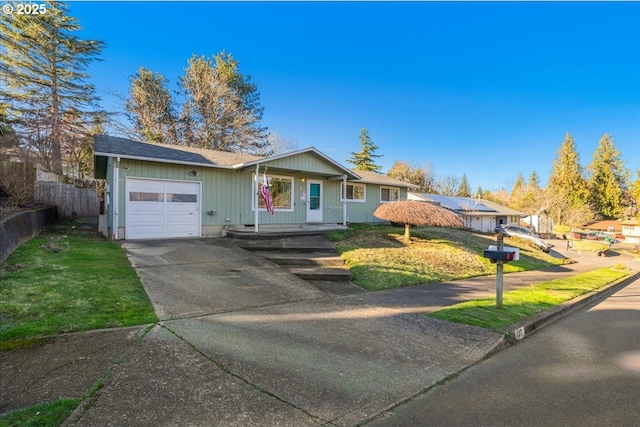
<point>389,194</point>
<point>355,193</point>
<point>141,196</point>
<point>281,192</point>
<point>182,198</point>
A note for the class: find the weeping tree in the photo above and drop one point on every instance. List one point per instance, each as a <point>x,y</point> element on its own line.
<point>414,213</point>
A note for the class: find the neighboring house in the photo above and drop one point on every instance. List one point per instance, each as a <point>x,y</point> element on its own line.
<point>478,214</point>
<point>158,190</point>
<point>631,231</point>
<point>611,226</point>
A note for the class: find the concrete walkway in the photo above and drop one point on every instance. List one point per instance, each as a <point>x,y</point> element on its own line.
<point>243,343</point>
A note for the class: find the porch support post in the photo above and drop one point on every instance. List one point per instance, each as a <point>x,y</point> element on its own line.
<point>255,195</point>
<point>114,198</point>
<point>344,200</point>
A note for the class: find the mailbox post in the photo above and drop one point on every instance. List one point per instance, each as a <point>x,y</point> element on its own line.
<point>499,272</point>
<point>499,255</point>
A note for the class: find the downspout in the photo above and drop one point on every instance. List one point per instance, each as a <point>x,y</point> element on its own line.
<point>114,197</point>
<point>344,200</point>
<point>255,195</point>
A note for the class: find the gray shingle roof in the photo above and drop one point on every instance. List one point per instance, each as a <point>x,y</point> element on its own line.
<point>479,207</point>
<point>127,148</point>
<point>369,177</point>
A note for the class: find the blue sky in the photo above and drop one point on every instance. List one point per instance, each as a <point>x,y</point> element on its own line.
<point>487,89</point>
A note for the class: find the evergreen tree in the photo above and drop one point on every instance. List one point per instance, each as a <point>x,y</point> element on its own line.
<point>634,191</point>
<point>479,194</point>
<point>532,194</point>
<point>464,190</point>
<point>534,182</point>
<point>608,179</point>
<point>151,108</point>
<point>43,65</point>
<point>517,192</point>
<point>363,160</point>
<point>567,188</point>
<point>7,134</point>
<point>222,109</point>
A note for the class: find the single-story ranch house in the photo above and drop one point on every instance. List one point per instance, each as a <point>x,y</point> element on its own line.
<point>159,191</point>
<point>477,214</point>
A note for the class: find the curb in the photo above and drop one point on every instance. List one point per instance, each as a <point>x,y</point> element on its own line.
<point>520,330</point>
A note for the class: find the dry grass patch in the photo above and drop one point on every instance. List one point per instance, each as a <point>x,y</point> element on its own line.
<point>380,258</point>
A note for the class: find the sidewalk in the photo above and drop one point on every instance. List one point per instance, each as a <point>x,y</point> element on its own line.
<point>312,360</point>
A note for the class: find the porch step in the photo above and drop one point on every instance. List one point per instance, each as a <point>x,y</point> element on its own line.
<point>311,258</point>
<point>268,232</point>
<point>322,274</point>
<point>299,244</point>
<point>272,235</point>
<point>304,259</point>
<point>337,288</point>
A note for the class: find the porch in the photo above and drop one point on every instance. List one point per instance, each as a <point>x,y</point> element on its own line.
<point>276,231</point>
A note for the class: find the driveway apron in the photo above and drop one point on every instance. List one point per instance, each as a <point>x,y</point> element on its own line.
<point>331,359</point>
<point>187,278</point>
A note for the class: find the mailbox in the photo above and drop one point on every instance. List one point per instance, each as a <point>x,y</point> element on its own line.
<point>506,254</point>
<point>499,255</point>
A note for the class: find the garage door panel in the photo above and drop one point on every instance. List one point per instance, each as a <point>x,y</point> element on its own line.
<point>146,231</point>
<point>159,208</point>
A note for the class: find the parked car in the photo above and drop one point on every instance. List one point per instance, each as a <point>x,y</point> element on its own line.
<point>526,234</point>
<point>603,235</point>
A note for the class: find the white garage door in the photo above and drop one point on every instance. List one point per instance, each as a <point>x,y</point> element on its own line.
<point>157,208</point>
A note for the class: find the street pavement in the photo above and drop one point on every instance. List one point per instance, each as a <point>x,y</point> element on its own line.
<point>241,342</point>
<point>583,370</point>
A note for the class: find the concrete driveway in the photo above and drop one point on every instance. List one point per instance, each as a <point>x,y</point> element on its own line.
<point>242,342</point>
<point>196,277</point>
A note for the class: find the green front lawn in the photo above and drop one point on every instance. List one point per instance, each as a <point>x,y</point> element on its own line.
<point>523,303</point>
<point>68,279</point>
<point>379,257</point>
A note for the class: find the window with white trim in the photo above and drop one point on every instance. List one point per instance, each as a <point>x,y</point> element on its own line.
<point>389,194</point>
<point>355,192</point>
<point>281,192</point>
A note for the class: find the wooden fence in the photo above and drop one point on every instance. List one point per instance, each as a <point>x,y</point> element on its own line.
<point>72,202</point>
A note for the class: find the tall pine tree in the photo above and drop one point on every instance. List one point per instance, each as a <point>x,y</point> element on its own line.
<point>567,190</point>
<point>608,179</point>
<point>363,159</point>
<point>517,192</point>
<point>464,190</point>
<point>44,64</point>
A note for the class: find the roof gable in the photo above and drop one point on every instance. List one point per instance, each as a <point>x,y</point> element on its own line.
<point>308,160</point>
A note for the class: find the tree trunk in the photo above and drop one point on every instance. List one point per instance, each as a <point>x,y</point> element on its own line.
<point>407,232</point>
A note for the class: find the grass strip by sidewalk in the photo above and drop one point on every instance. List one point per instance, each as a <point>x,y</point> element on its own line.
<point>41,415</point>
<point>67,280</point>
<point>523,303</point>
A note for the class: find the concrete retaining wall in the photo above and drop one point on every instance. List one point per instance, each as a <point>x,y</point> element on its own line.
<point>20,227</point>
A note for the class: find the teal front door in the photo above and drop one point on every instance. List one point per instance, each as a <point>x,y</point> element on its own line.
<point>314,201</point>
